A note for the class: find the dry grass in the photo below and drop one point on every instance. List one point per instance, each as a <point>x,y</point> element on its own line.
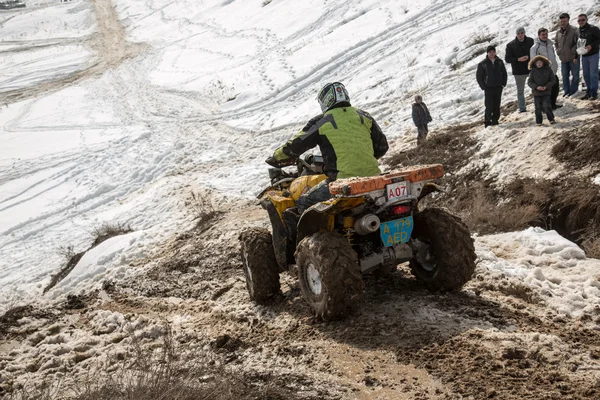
<point>481,38</point>
<point>203,208</point>
<point>108,230</point>
<point>483,215</point>
<point>162,374</point>
<point>71,260</point>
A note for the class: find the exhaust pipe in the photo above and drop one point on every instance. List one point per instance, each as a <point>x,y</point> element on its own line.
<point>367,224</point>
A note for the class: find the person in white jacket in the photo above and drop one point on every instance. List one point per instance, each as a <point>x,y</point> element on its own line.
<point>542,46</point>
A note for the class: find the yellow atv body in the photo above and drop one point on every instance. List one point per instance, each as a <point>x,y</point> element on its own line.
<point>368,224</point>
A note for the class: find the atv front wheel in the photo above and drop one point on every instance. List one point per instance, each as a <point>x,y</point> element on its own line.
<point>329,275</point>
<point>444,254</point>
<point>260,267</point>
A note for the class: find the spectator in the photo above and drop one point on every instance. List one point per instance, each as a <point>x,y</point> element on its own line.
<point>421,117</point>
<point>544,47</point>
<point>589,61</point>
<point>492,77</point>
<point>566,47</point>
<point>517,54</point>
<point>541,80</point>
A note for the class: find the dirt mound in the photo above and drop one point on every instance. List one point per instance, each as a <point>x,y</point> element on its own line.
<point>569,204</point>
<point>579,149</point>
<point>452,148</point>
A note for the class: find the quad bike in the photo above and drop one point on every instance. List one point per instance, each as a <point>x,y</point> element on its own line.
<point>370,223</point>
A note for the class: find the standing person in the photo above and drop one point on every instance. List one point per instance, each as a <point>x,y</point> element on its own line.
<point>421,117</point>
<point>589,61</point>
<point>517,54</point>
<point>492,77</point>
<point>541,80</point>
<point>542,46</point>
<point>566,47</point>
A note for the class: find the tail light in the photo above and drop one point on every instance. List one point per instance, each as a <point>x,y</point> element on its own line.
<point>400,210</point>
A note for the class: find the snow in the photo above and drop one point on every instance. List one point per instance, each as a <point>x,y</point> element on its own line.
<point>555,268</point>
<point>115,252</point>
<point>98,134</point>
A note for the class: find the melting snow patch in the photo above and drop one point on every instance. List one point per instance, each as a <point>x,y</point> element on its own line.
<point>556,269</point>
<point>98,262</point>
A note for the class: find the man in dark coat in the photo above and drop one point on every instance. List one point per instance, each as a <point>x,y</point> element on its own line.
<point>421,117</point>
<point>492,77</point>
<point>589,61</point>
<point>517,54</point>
<point>541,81</point>
<point>566,47</point>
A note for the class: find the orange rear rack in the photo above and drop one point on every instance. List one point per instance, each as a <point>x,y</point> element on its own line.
<point>355,186</point>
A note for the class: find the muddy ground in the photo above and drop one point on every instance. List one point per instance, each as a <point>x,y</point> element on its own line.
<point>494,340</point>
<point>491,340</point>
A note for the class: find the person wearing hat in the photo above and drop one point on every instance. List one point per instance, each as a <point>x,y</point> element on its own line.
<point>566,47</point>
<point>517,54</point>
<point>421,117</point>
<point>541,81</point>
<point>543,46</point>
<point>492,77</point>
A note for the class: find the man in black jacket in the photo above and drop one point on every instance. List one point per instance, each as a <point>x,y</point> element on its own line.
<point>589,61</point>
<point>492,77</point>
<point>517,54</point>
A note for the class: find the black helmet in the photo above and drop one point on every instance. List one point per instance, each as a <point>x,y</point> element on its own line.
<point>332,94</point>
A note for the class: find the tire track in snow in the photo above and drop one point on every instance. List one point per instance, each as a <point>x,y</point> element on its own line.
<point>109,45</point>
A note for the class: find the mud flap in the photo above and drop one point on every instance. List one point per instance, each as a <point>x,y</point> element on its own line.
<point>282,245</point>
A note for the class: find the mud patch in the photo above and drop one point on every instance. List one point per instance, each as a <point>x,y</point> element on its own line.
<point>452,148</point>
<point>579,149</point>
<point>522,368</point>
<point>10,319</point>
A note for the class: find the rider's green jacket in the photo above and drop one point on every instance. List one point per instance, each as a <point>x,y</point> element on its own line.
<point>350,141</point>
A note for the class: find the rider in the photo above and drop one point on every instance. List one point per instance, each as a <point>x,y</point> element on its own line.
<point>350,141</point>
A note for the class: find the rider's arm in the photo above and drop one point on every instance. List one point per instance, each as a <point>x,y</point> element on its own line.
<point>380,144</point>
<point>306,139</point>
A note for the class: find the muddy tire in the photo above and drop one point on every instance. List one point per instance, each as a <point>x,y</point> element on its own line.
<point>329,275</point>
<point>259,265</point>
<point>444,254</point>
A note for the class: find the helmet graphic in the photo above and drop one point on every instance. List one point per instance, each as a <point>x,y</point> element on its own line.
<point>332,94</point>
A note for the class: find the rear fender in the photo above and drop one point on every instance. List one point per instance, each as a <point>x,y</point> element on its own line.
<point>428,188</point>
<point>321,216</point>
<point>279,201</point>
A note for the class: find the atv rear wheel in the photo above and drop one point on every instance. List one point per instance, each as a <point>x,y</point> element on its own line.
<point>444,254</point>
<point>259,264</point>
<point>329,275</point>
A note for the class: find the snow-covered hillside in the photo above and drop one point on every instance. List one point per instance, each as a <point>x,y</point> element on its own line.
<point>115,115</point>
<point>124,111</point>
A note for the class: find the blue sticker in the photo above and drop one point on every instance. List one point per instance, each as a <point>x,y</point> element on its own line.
<point>396,231</point>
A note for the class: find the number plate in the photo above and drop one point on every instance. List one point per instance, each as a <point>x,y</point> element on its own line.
<point>397,190</point>
<point>396,231</point>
